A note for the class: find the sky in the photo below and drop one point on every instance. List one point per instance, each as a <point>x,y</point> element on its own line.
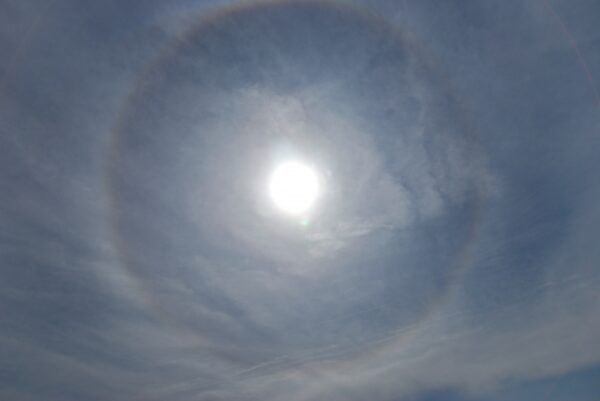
<point>452,254</point>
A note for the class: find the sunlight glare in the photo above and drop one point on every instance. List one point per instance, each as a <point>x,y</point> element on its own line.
<point>294,187</point>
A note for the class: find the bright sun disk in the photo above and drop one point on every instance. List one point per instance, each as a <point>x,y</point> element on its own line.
<point>293,187</point>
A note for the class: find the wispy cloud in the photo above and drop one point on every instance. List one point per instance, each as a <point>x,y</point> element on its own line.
<point>453,246</point>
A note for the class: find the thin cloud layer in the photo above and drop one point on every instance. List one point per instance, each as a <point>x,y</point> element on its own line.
<point>451,255</point>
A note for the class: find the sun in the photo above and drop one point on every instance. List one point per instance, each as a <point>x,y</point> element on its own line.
<point>294,187</point>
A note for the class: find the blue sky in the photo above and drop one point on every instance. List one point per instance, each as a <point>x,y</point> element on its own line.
<point>452,254</point>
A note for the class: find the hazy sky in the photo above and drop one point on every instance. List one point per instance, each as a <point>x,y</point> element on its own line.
<point>451,256</point>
